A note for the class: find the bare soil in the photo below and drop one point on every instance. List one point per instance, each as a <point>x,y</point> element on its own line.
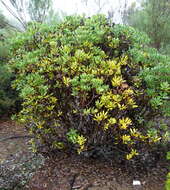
<point>9,147</point>
<point>76,173</point>
<point>73,172</point>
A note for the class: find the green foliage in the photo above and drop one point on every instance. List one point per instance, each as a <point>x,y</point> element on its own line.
<point>37,10</point>
<point>158,82</point>
<point>168,182</point>
<point>152,17</point>
<point>81,85</point>
<point>8,96</point>
<point>3,22</point>
<point>167,186</point>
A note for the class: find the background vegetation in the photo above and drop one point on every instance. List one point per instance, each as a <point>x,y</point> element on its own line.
<point>8,97</point>
<point>153,18</point>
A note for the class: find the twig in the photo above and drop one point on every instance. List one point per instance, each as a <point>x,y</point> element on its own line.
<point>77,187</point>
<point>13,14</point>
<point>72,181</point>
<point>16,137</point>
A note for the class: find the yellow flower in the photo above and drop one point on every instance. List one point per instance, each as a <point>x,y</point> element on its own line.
<point>124,60</point>
<point>113,67</point>
<point>155,139</point>
<point>40,126</point>
<point>128,92</point>
<point>131,102</point>
<point>124,123</point>
<point>126,138</point>
<point>59,145</point>
<point>112,121</point>
<point>134,133</point>
<point>81,141</point>
<point>53,100</point>
<point>66,81</point>
<point>59,113</point>
<point>122,107</point>
<point>106,126</point>
<point>117,81</point>
<point>100,116</point>
<point>111,105</point>
<point>117,98</point>
<point>132,154</point>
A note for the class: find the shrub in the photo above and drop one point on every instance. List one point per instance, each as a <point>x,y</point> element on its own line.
<point>158,82</point>
<point>81,85</point>
<point>8,96</point>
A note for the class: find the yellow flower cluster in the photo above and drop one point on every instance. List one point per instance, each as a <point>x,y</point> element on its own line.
<point>100,116</point>
<point>109,101</point>
<point>81,141</point>
<point>111,122</point>
<point>132,154</point>
<point>117,81</point>
<point>126,138</point>
<point>135,133</point>
<point>66,81</point>
<point>124,123</point>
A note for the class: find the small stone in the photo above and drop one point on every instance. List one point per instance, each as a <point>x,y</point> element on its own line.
<point>136,182</point>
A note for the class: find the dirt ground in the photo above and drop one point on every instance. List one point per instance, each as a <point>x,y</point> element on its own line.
<point>9,146</point>
<point>72,172</point>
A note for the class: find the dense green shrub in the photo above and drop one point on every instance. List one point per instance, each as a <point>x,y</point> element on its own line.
<point>82,85</point>
<point>8,96</point>
<point>158,82</point>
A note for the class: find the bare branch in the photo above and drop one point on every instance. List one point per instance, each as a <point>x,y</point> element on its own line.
<point>13,14</point>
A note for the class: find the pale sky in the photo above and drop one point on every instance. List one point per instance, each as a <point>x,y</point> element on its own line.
<point>78,7</point>
<point>72,6</point>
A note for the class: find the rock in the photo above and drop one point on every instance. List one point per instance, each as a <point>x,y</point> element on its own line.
<point>99,188</point>
<point>136,183</point>
<point>16,171</point>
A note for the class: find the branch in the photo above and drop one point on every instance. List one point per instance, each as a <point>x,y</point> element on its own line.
<point>16,137</point>
<point>72,181</point>
<point>12,26</point>
<point>13,14</point>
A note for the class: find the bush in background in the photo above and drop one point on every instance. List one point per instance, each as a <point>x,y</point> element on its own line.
<point>8,96</point>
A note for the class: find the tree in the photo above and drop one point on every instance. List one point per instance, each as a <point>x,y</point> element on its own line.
<point>128,13</point>
<point>153,17</point>
<point>123,4</point>
<point>5,24</point>
<point>8,96</point>
<point>39,9</point>
<point>99,4</point>
<point>23,10</point>
<point>2,21</point>
<point>115,10</point>
<point>17,8</point>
